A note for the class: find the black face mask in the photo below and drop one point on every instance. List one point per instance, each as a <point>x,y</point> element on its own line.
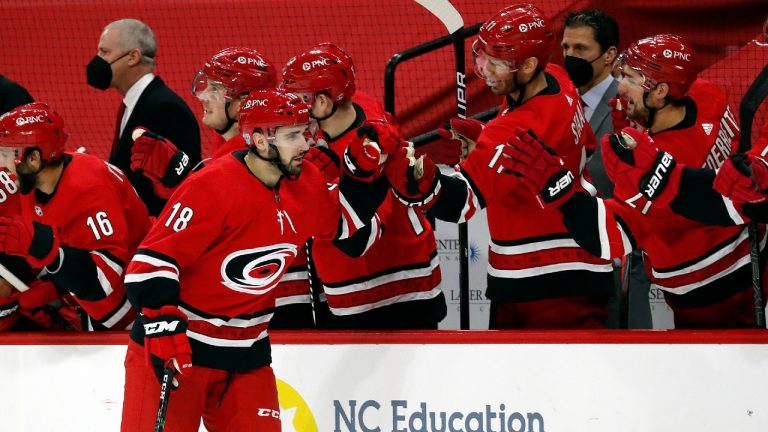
<point>579,70</point>
<point>99,72</point>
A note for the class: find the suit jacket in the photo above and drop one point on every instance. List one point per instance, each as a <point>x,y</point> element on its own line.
<point>12,95</point>
<point>163,112</point>
<point>602,124</point>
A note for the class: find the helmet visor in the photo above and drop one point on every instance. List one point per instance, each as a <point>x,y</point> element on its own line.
<point>487,67</point>
<point>204,88</point>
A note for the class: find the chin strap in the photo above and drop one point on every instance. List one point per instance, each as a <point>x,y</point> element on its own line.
<point>230,120</point>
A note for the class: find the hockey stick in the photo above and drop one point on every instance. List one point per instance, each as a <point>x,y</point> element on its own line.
<point>12,279</point>
<point>165,395</point>
<point>752,99</point>
<point>454,23</point>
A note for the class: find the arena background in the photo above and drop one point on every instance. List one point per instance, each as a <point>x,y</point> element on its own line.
<point>45,45</point>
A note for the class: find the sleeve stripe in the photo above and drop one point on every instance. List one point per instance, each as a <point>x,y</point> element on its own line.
<point>602,231</point>
<point>119,315</point>
<point>349,212</point>
<point>473,202</point>
<point>106,286</point>
<point>141,277</point>
<point>732,212</point>
<point>156,262</point>
<point>375,224</point>
<point>117,268</point>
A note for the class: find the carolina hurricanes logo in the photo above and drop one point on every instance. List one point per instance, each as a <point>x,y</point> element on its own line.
<point>257,271</point>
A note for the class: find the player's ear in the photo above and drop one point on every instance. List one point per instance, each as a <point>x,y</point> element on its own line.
<point>529,65</point>
<point>661,90</point>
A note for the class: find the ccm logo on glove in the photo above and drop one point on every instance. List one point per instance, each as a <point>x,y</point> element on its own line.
<point>160,326</point>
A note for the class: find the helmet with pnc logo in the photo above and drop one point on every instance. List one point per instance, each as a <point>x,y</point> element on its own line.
<point>239,70</point>
<point>516,33</point>
<point>34,125</point>
<point>270,109</point>
<point>663,59</point>
<point>324,67</point>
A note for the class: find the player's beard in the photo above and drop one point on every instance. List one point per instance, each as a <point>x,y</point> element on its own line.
<point>27,181</point>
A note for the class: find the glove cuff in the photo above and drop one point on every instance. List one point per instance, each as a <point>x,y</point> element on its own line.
<point>178,167</point>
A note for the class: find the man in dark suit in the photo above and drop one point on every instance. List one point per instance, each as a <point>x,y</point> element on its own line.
<point>590,43</point>
<point>12,95</point>
<point>125,62</point>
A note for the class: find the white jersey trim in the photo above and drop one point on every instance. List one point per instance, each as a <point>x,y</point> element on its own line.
<point>385,279</point>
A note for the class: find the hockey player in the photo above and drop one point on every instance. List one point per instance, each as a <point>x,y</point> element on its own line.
<point>204,276</point>
<point>221,85</point>
<point>703,270</point>
<point>538,277</point>
<point>396,283</point>
<point>81,219</point>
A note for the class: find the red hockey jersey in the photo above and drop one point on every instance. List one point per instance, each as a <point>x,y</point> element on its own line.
<point>531,255</point>
<point>94,210</point>
<point>219,249</point>
<point>692,262</point>
<point>400,263</point>
<point>294,285</point>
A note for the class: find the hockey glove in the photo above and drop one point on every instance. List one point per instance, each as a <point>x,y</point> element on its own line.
<point>743,179</point>
<point>365,156</point>
<point>539,168</point>
<point>158,159</point>
<point>415,181</point>
<point>457,138</point>
<point>640,171</point>
<point>40,293</point>
<point>165,341</point>
<point>35,242</point>
<point>619,116</point>
<point>325,160</point>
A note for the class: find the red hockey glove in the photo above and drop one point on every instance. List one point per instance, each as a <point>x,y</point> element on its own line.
<point>539,168</point>
<point>325,160</point>
<point>158,159</point>
<point>165,341</point>
<point>457,138</point>
<point>36,242</point>
<point>619,116</point>
<point>365,156</point>
<point>640,171</point>
<point>41,292</point>
<point>415,181</point>
<point>743,178</point>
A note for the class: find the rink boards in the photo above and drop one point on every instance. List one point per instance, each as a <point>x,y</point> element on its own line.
<point>446,381</point>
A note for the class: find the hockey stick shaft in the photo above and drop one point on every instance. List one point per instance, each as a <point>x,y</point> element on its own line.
<point>165,396</point>
<point>454,23</point>
<point>752,99</point>
<point>12,279</point>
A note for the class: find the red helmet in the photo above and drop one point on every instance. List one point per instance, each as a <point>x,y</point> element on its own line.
<point>240,70</point>
<point>663,59</point>
<point>34,125</point>
<point>270,109</point>
<point>516,33</point>
<point>324,67</point>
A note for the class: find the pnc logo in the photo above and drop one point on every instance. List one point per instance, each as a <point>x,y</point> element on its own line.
<point>294,411</point>
<point>668,53</point>
<point>29,119</point>
<point>250,61</point>
<point>531,25</point>
<point>255,102</point>
<point>322,61</point>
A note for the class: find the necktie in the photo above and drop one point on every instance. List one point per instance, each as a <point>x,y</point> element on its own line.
<point>116,139</point>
